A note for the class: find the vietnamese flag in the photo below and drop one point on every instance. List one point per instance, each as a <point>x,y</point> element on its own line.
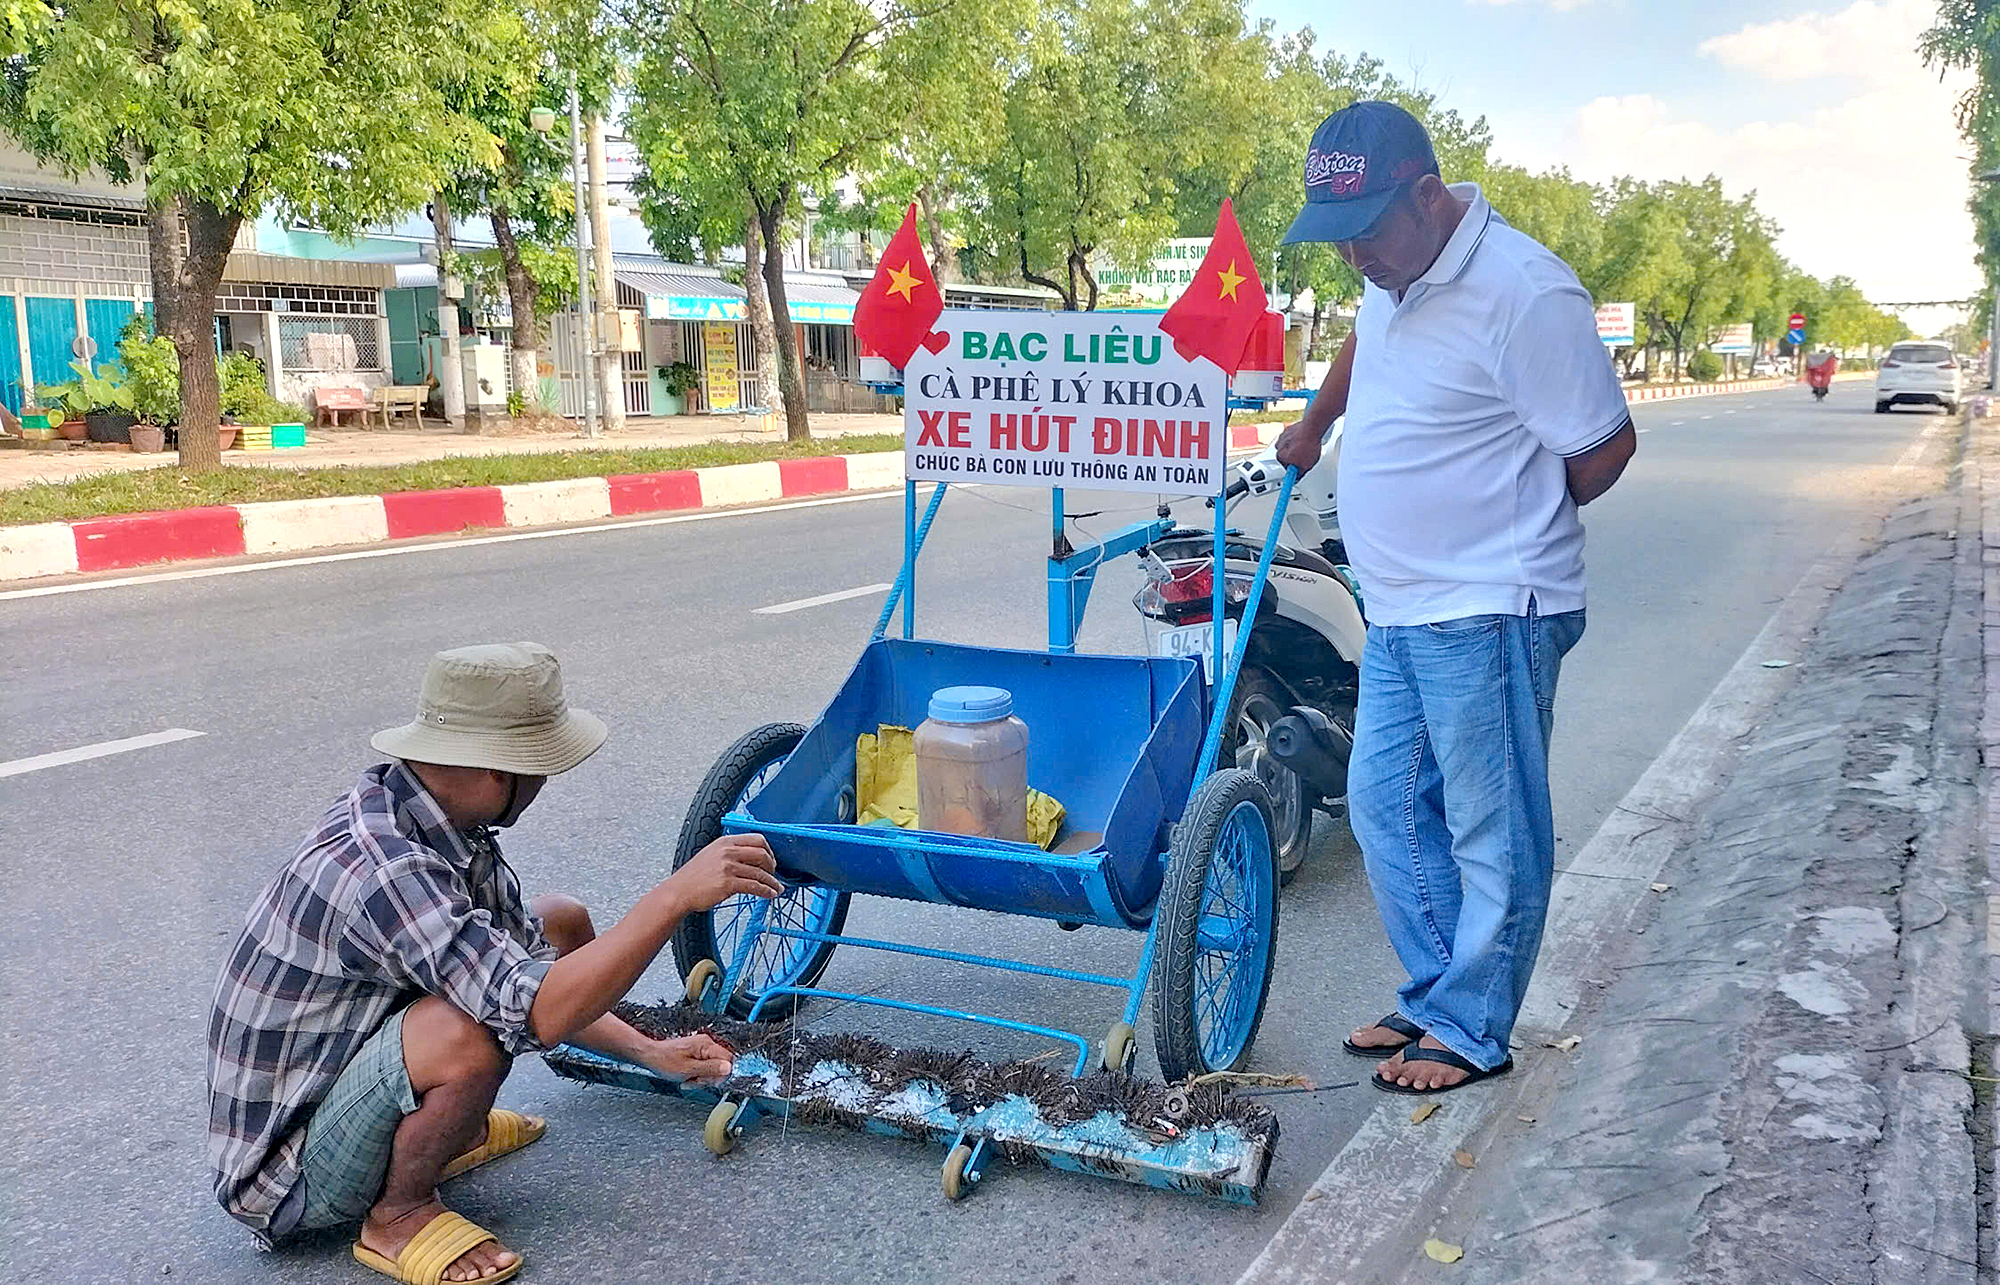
<point>1216,315</point>
<point>895,313</point>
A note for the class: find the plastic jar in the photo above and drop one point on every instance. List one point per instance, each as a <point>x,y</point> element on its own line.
<point>972,765</point>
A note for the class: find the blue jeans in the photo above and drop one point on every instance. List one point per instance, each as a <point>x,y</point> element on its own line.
<point>1448,792</point>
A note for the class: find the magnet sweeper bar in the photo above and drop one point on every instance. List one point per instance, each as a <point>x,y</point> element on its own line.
<point>1202,1139</point>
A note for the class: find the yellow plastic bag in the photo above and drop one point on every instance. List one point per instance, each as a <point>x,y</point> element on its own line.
<point>885,786</point>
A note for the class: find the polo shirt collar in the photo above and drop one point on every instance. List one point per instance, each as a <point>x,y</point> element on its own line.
<point>1471,229</point>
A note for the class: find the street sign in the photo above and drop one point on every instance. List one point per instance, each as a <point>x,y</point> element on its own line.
<point>1795,337</point>
<point>1732,341</point>
<point>1798,321</point>
<point>1616,324</point>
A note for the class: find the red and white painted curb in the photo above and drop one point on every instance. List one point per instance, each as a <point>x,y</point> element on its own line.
<point>294,526</point>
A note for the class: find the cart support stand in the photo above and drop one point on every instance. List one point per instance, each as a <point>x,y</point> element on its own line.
<point>1073,574</point>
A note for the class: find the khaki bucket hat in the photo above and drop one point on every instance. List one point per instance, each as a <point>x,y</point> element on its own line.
<point>498,706</point>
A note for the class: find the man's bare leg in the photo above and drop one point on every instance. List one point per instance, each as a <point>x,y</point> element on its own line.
<point>455,1067</point>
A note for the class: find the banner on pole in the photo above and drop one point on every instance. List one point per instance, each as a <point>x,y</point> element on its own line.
<point>1085,399</point>
<point>1617,324</point>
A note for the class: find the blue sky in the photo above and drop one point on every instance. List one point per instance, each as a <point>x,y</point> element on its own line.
<point>1822,107</point>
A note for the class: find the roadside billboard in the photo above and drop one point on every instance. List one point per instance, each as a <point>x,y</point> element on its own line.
<point>1617,324</point>
<point>1733,341</point>
<point>1163,279</point>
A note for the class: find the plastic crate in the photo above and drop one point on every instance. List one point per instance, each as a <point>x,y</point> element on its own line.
<point>39,419</point>
<point>285,437</point>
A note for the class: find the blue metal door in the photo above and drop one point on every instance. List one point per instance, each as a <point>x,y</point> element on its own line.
<point>10,356</point>
<point>105,318</point>
<point>51,331</point>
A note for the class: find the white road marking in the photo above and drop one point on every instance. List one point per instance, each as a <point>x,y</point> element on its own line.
<point>1915,450</point>
<point>435,546</point>
<point>84,753</point>
<point>1645,430</point>
<point>823,599</point>
<point>1708,417</point>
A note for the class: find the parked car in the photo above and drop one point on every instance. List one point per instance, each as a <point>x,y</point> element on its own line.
<point>1918,373</point>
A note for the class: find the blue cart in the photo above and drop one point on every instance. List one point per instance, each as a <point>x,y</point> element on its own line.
<point>1160,842</point>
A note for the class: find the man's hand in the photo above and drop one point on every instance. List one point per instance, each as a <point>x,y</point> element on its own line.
<point>1299,447</point>
<point>691,1057</point>
<point>734,865</point>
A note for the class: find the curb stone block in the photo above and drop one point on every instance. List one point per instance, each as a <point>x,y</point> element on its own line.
<point>875,471</point>
<point>817,476</point>
<point>654,492</point>
<point>411,513</point>
<point>41,549</point>
<point>288,526</point>
<point>741,484</point>
<point>576,499</point>
<point>133,540</point>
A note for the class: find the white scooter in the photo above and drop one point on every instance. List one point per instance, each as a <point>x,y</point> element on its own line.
<point>1292,716</point>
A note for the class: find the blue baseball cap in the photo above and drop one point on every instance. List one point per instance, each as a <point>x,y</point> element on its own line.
<point>1360,157</point>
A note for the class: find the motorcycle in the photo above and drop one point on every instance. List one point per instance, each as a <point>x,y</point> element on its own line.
<point>1820,375</point>
<point>1291,720</point>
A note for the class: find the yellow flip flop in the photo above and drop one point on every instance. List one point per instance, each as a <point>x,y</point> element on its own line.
<point>505,1131</point>
<point>431,1252</point>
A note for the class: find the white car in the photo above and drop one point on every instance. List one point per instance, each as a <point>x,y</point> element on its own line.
<point>1918,372</point>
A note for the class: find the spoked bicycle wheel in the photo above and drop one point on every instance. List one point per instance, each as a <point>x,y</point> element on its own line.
<point>774,960</point>
<point>1218,940</point>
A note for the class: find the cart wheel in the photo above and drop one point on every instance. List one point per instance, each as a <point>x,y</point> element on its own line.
<point>742,770</point>
<point>957,1183</point>
<point>719,1134</point>
<point>1258,703</point>
<point>1219,934</point>
<point>698,978</point>
<point>1119,1043</point>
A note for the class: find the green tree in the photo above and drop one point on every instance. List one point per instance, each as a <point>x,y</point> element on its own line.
<point>221,108</point>
<point>1967,35</point>
<point>781,100</point>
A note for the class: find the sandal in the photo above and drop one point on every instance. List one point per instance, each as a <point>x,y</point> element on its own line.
<point>1443,1057</point>
<point>437,1245</point>
<point>1409,1030</point>
<point>506,1132</point>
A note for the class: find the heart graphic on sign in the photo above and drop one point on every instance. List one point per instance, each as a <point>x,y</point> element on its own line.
<point>936,341</point>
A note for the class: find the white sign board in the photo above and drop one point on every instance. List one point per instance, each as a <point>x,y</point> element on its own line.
<point>1617,324</point>
<point>1732,340</point>
<point>1084,399</point>
<point>1160,281</point>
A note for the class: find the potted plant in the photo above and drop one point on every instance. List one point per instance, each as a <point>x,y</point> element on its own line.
<point>153,370</point>
<point>66,402</point>
<point>678,380</point>
<point>107,403</point>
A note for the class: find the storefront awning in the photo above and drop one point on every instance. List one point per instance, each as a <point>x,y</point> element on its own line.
<point>667,295</point>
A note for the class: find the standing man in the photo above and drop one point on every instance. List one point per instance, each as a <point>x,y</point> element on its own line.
<point>390,973</point>
<point>1481,413</point>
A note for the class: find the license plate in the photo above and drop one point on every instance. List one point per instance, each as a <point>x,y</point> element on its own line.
<point>1191,641</point>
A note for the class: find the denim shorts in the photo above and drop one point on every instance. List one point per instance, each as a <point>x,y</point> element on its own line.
<point>348,1139</point>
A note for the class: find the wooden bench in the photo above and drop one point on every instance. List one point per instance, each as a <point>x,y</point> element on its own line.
<point>332,403</point>
<point>397,399</point>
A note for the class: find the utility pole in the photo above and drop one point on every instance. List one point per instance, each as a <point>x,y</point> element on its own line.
<point>451,380</point>
<point>610,347</point>
<point>583,313</point>
<point>1993,320</point>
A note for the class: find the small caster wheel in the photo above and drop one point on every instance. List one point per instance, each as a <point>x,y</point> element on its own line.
<point>699,976</point>
<point>957,1182</point>
<point>1178,1106</point>
<point>719,1134</point>
<point>1119,1044</point>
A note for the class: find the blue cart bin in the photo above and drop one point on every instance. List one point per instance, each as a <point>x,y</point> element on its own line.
<point>1113,738</point>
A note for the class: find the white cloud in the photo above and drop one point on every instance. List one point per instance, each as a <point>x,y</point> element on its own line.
<point>1560,6</point>
<point>1873,186</point>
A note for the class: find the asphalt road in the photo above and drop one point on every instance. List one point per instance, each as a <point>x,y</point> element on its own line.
<point>126,876</point>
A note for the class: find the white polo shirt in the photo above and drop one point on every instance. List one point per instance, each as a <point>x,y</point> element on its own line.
<point>1467,394</point>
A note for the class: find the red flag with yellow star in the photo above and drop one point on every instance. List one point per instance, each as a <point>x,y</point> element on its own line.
<point>895,313</point>
<point>1215,315</point>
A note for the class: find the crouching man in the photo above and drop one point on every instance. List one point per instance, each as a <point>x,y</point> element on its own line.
<point>389,974</point>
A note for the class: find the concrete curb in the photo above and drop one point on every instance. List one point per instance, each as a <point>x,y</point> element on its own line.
<point>46,549</point>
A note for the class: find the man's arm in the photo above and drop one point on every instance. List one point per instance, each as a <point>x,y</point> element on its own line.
<point>1592,473</point>
<point>1300,445</point>
<point>582,986</point>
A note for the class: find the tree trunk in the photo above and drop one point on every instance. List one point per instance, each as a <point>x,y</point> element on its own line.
<point>934,225</point>
<point>523,299</point>
<point>184,296</point>
<point>1312,334</point>
<point>451,380</point>
<point>790,385</point>
<point>757,301</point>
<point>166,243</point>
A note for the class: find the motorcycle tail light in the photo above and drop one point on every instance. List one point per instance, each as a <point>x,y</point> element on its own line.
<point>1185,595</point>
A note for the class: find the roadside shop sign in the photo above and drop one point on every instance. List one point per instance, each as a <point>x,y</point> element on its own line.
<point>1732,341</point>
<point>1089,399</point>
<point>1617,324</point>
<point>1163,279</point>
<point>718,342</point>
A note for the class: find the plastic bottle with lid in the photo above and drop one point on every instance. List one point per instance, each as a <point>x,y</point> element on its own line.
<point>972,765</point>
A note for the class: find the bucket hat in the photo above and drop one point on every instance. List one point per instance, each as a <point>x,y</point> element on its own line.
<point>499,706</point>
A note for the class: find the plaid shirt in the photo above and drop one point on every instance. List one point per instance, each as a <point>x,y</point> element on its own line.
<point>385,903</point>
